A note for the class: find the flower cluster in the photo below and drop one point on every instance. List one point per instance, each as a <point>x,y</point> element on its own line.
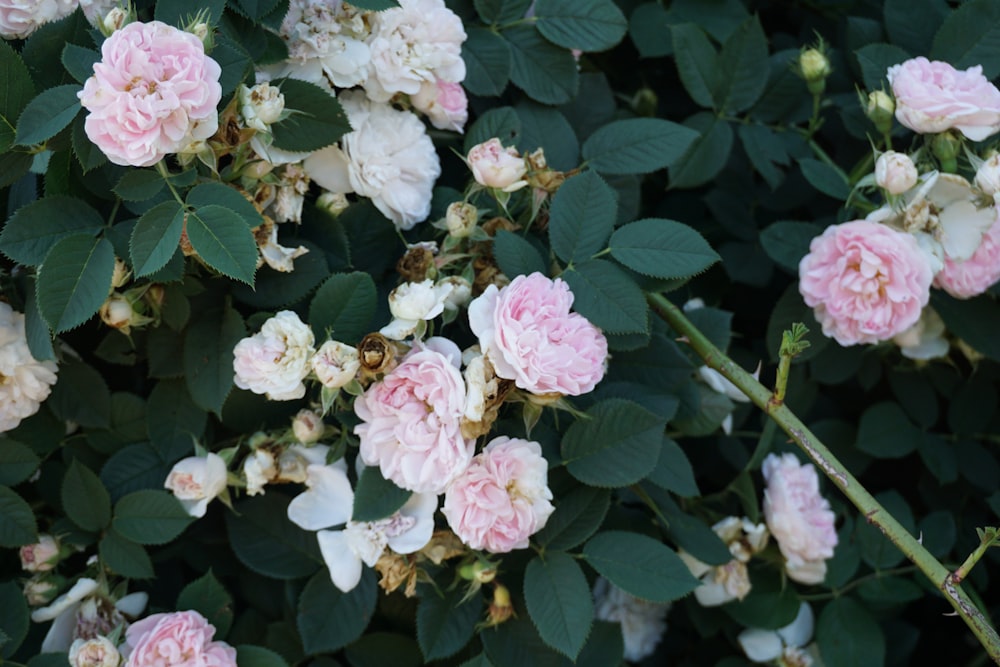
<point>869,280</point>
<point>24,381</point>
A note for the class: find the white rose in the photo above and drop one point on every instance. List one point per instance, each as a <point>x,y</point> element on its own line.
<point>260,106</point>
<point>275,360</point>
<point>326,43</point>
<point>96,652</point>
<point>461,219</point>
<point>445,104</point>
<point>20,18</point>
<point>335,364</point>
<point>494,166</point>
<point>259,469</point>
<point>196,480</point>
<point>895,172</point>
<point>25,382</point>
<point>388,158</point>
<point>642,622</point>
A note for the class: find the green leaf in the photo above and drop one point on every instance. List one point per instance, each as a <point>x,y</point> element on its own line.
<point>125,557</point>
<point>970,36</point>
<point>17,521</point>
<point>501,11</point>
<point>87,153</point>
<point>377,649</point>
<point>14,618</point>
<point>139,185</point>
<point>173,420</point>
<point>258,656</point>
<point>207,596</point>
<point>608,297</point>
<point>544,71</point>
<point>975,320</point>
<point>329,619</point>
<point>516,643</point>
<point>697,63</point>
<point>155,237</point>
<point>689,533</point>
<point>134,468</point>
<point>81,395</point>
<point>181,12</point>
<point>258,9</point>
<point>587,25</point>
<point>500,122</point>
<point>639,565</point>
<point>617,445</point>
<point>487,62</point>
<point>47,114</point>
<point>516,256</point>
<point>581,217</point>
<point>912,23</point>
<point>208,356</point>
<point>17,462</point>
<point>268,543</point>
<point>548,128</point>
<point>662,249</point>
<point>207,194</point>
<point>875,59</point>
<point>831,181</point>
<point>559,602</point>
<point>743,70</point>
<point>771,604</point>
<point>75,281</point>
<point>707,156</point>
<point>223,241</point>
<point>318,122</point>
<point>886,433</point>
<point>34,229</point>
<point>36,329</point>
<point>577,516</point>
<point>765,150</point>
<point>673,470</point>
<point>16,92</point>
<point>649,28</point>
<point>376,497</point>
<point>848,635</point>
<point>85,499</point>
<point>13,166</point>
<point>376,5</point>
<point>343,307</point>
<point>637,146</point>
<point>446,622</point>
<point>79,61</point>
<point>788,242</point>
<point>48,660</point>
<point>150,517</point>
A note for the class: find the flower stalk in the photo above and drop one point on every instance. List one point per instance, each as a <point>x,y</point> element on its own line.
<point>988,537</point>
<point>824,459</point>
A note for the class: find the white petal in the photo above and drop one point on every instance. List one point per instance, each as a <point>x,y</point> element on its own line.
<point>329,168</point>
<point>800,631</point>
<point>712,594</point>
<point>328,501</point>
<point>60,635</point>
<point>399,329</point>
<point>81,589</point>
<point>196,508</point>
<point>963,226</point>
<point>760,645</point>
<point>343,564</point>
<point>132,604</point>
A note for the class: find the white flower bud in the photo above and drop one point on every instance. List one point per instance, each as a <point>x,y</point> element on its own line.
<point>308,427</point>
<point>260,106</point>
<point>419,301</point>
<point>115,20</point>
<point>40,590</point>
<point>814,65</point>
<point>494,166</point>
<point>335,364</point>
<point>461,219</point>
<point>96,652</point>
<point>333,203</point>
<point>41,556</point>
<point>895,172</point>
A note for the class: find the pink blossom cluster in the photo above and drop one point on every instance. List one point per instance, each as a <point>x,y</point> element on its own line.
<point>154,92</point>
<point>865,281</point>
<point>932,96</point>
<point>412,418</point>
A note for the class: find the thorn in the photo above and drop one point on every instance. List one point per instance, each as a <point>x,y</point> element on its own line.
<point>683,339</point>
<point>920,539</point>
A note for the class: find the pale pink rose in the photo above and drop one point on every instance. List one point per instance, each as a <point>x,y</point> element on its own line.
<point>411,419</point>
<point>154,92</point>
<point>421,40</point>
<point>895,172</point>
<point>196,480</point>
<point>529,335</point>
<point>275,360</point>
<point>444,104</point>
<point>503,497</point>
<point>96,652</point>
<point>41,556</point>
<point>178,639</point>
<point>975,275</point>
<point>800,519</point>
<point>932,96</point>
<point>865,281</point>
<point>494,166</point>
<point>20,18</point>
<point>335,364</point>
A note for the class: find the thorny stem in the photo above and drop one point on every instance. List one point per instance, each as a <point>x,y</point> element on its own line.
<point>987,539</point>
<point>824,459</point>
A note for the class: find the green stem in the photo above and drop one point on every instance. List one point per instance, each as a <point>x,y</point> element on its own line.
<point>161,167</point>
<point>824,459</point>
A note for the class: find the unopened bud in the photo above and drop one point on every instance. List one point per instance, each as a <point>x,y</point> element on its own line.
<point>461,219</point>
<point>501,608</point>
<point>814,67</point>
<point>258,170</point>
<point>41,589</point>
<point>880,109</point>
<point>946,147</point>
<point>41,556</point>
<point>645,102</point>
<point>117,313</point>
<point>260,106</point>
<point>478,571</point>
<point>308,427</point>
<point>895,172</point>
<point>333,203</point>
<point>121,275</point>
<point>202,32</point>
<point>115,20</point>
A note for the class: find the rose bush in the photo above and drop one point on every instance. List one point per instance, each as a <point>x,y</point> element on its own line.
<point>461,333</point>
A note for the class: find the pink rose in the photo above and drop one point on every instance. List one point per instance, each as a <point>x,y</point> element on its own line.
<point>932,96</point>
<point>895,172</point>
<point>494,166</point>
<point>529,335</point>
<point>444,104</point>
<point>866,282</point>
<point>412,419</point>
<point>800,519</point>
<point>975,275</point>
<point>154,92</point>
<point>41,556</point>
<point>179,639</point>
<point>503,497</point>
